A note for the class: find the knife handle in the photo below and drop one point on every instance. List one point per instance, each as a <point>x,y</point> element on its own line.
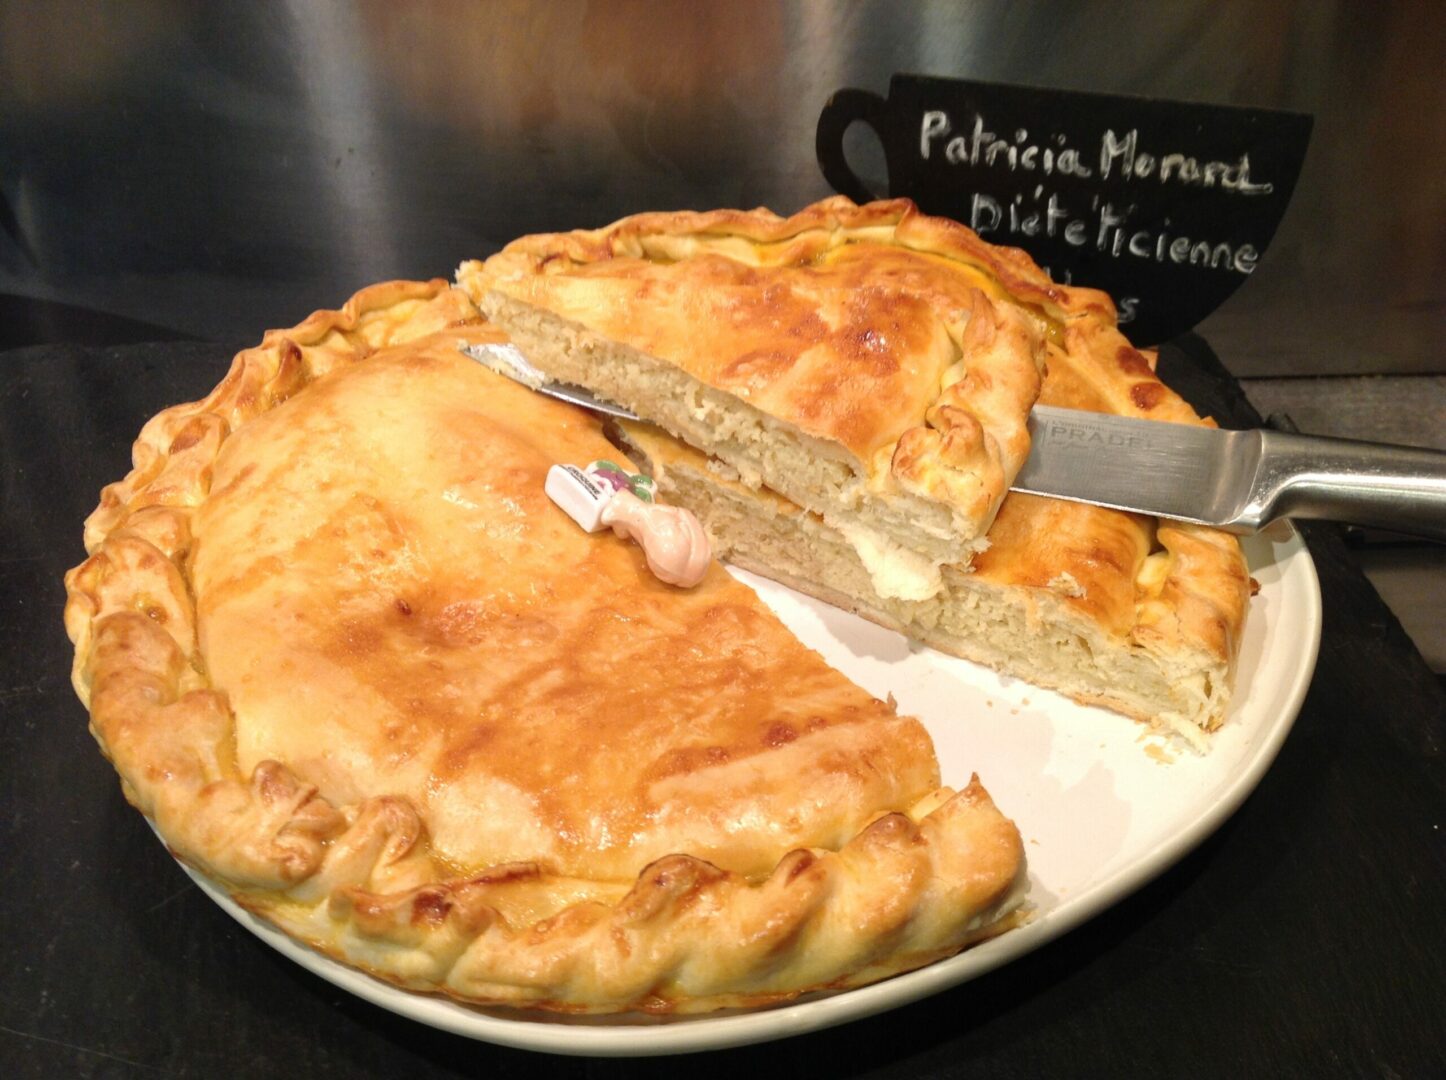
<point>1402,488</point>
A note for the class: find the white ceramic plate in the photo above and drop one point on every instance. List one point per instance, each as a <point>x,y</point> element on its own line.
<point>1102,806</point>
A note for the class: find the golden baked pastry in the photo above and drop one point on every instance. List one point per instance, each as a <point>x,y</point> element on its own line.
<point>1110,608</point>
<point>873,364</point>
<point>354,665</point>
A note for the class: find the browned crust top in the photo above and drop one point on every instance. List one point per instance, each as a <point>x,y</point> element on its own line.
<point>360,882</point>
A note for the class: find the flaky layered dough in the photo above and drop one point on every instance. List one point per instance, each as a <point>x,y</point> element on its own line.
<point>1113,609</point>
<point>352,663</point>
<point>864,360</point>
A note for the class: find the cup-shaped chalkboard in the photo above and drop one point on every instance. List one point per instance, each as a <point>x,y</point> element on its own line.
<point>1166,205</point>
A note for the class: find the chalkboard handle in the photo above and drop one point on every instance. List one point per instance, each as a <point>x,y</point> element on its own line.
<point>841,110</point>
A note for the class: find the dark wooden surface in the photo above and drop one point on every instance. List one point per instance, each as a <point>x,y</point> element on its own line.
<point>1304,939</point>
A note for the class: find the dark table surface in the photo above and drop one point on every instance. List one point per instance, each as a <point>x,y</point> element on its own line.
<point>1306,938</point>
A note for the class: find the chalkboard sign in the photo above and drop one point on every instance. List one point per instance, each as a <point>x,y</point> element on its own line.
<point>1166,205</point>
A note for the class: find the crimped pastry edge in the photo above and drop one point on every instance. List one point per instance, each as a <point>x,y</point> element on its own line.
<point>1016,271</point>
<point>357,881</point>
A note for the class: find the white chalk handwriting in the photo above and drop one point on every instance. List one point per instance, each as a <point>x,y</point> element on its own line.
<point>1108,228</point>
<point>1111,225</point>
<point>1119,155</point>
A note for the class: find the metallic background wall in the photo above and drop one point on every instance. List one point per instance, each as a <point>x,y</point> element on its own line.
<point>221,168</point>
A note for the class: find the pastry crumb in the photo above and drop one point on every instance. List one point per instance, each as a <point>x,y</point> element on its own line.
<point>1159,754</point>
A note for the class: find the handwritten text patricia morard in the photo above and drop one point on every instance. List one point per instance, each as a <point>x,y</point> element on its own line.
<point>1109,227</point>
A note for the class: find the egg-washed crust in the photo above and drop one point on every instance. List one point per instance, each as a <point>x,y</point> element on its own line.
<point>1175,591</point>
<point>358,881</point>
<point>829,320</point>
<point>1192,594</point>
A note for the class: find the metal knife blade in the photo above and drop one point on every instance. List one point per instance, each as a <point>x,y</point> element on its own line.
<point>1239,481</point>
<point>506,359</point>
<point>1179,471</point>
